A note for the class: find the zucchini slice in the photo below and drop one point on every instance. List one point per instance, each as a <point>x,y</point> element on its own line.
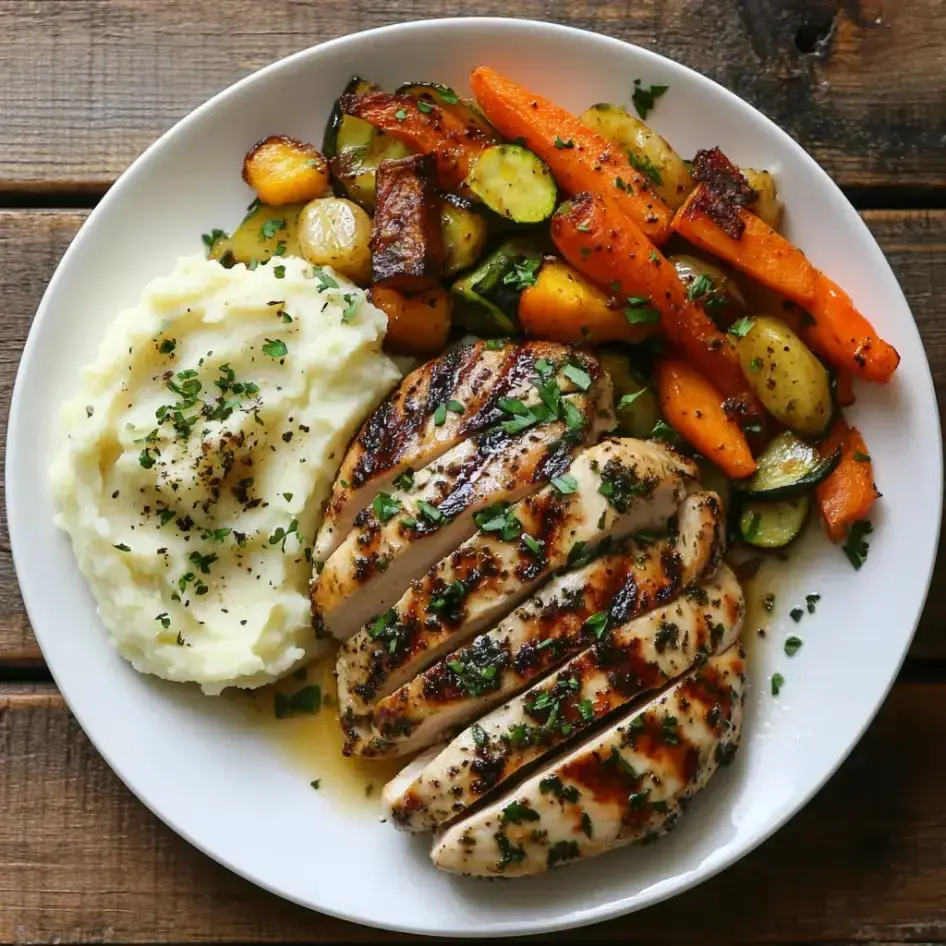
<point>787,468</point>
<point>444,97</point>
<point>772,525</point>
<point>488,296</point>
<point>355,148</point>
<point>464,234</point>
<point>514,183</point>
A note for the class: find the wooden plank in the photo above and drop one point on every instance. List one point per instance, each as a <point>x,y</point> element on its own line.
<point>82,860</point>
<point>89,83</point>
<point>31,243</point>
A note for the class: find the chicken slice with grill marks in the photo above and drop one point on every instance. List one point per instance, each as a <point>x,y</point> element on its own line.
<point>611,490</point>
<point>401,534</point>
<point>413,427</point>
<point>545,631</point>
<point>626,661</point>
<point>628,783</point>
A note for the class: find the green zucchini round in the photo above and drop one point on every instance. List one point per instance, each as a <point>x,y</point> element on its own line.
<point>514,183</point>
<point>773,525</point>
<point>787,468</point>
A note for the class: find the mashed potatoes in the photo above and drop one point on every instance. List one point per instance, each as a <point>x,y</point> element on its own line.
<point>198,453</point>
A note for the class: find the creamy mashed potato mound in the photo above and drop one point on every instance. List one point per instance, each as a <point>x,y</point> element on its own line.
<point>197,456</point>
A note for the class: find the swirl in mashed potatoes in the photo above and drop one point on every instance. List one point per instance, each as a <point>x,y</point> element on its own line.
<point>198,453</point>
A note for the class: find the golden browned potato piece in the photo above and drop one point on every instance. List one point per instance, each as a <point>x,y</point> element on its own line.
<point>335,232</point>
<point>284,171</point>
<point>766,205</point>
<point>416,323</point>
<point>265,232</point>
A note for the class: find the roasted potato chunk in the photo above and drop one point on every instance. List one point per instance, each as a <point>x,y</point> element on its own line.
<point>265,232</point>
<point>335,232</point>
<point>766,205</point>
<point>284,171</point>
<point>407,251</point>
<point>417,324</point>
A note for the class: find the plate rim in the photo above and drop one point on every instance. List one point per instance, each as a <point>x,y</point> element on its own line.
<point>617,907</point>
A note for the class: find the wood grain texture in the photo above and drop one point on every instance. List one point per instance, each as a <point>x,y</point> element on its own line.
<point>88,84</point>
<point>81,860</point>
<point>32,242</point>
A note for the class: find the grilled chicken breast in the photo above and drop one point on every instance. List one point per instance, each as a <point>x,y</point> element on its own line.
<point>545,631</point>
<point>413,427</point>
<point>401,534</point>
<point>611,490</point>
<point>625,662</point>
<point>628,783</point>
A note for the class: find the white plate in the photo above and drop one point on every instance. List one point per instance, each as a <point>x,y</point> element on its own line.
<point>227,788</point>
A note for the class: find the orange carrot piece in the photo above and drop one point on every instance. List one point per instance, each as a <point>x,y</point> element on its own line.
<point>848,493</point>
<point>693,406</point>
<point>563,306</point>
<point>844,387</point>
<point>416,323</point>
<point>760,251</point>
<point>453,142</point>
<point>580,159</point>
<point>844,337</point>
<point>595,236</point>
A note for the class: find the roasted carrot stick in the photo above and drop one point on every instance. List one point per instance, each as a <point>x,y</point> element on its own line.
<point>760,252</point>
<point>848,493</point>
<point>844,337</point>
<point>693,406</point>
<point>580,159</point>
<point>563,306</point>
<point>596,237</point>
<point>424,127</point>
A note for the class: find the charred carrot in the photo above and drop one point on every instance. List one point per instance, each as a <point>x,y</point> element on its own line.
<point>844,337</point>
<point>424,127</point>
<point>580,159</point>
<point>846,496</point>
<point>693,406</point>
<point>563,306</point>
<point>758,250</point>
<point>595,236</point>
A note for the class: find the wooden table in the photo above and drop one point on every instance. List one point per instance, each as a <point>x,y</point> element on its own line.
<point>85,85</point>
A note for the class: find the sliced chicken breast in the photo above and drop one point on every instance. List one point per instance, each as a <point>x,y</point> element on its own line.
<point>413,426</point>
<point>611,490</point>
<point>628,660</point>
<point>628,783</point>
<point>545,631</point>
<point>401,534</point>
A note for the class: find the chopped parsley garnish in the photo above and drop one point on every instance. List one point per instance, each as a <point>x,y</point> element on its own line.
<point>586,710</point>
<point>279,272</point>
<point>351,307</point>
<point>146,459</point>
<point>440,415</point>
<point>496,344</point>
<point>479,734</point>
<point>215,535</point>
<point>562,851</point>
<point>430,513</point>
<point>324,280</point>
<point>122,547</point>
<point>280,248</point>
<point>645,166</point>
<point>638,800</point>
<point>668,730</point>
<point>316,783</point>
<point>755,364</point>
<point>275,348</point>
<point>385,506</point>
<point>796,614</point>
<point>578,376</point>
<point>628,399</point>
<point>861,457</point>
<point>167,346</point>
<point>586,825</point>
<point>509,853</point>
<point>308,700</point>
<point>778,681</point>
<point>565,484</point>
<point>535,546</point>
<point>579,554</point>
<point>619,484</point>
<point>792,645</point>
<point>448,602</point>
<point>387,629</point>
<point>856,548</point>
<point>211,239</point>
<point>164,619</point>
<point>811,602</point>
<point>638,311</point>
<point>447,94</point>
<point>166,515</point>
<point>424,107</point>
<point>400,114</point>
<point>500,519</point>
<point>517,812</point>
<point>645,97</point>
<point>699,287</point>
<point>559,143</point>
<point>768,602</point>
<point>554,785</point>
<point>281,535</point>
<point>405,481</point>
<point>583,228</point>
<point>741,327</point>
<point>622,185</point>
<point>270,228</point>
<point>477,669</point>
<point>597,624</point>
<point>667,635</point>
<point>203,562</point>
<point>522,275</point>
